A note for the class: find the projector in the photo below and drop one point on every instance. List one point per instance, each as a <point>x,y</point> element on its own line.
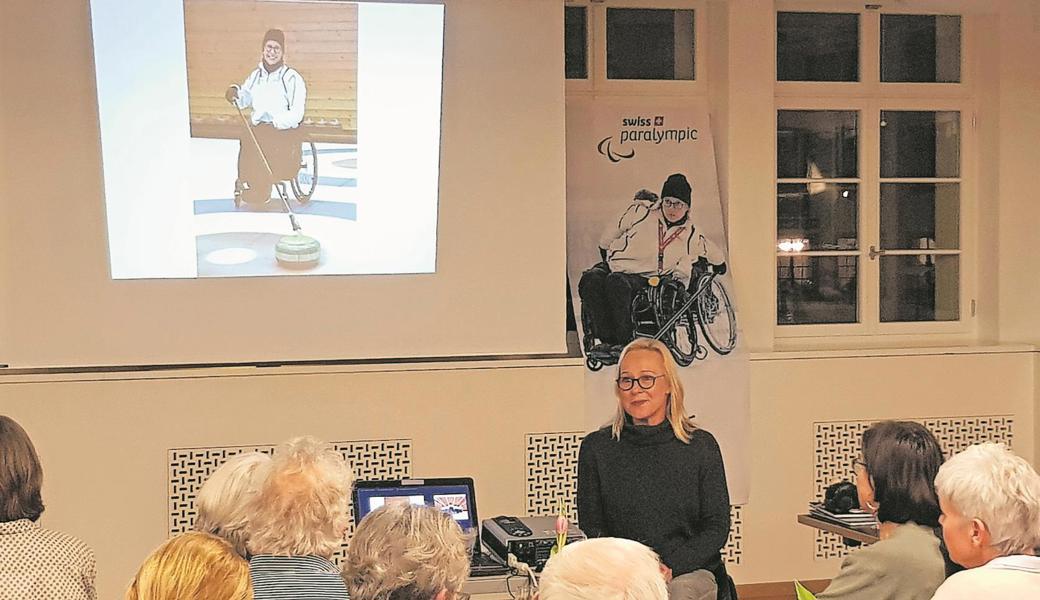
<point>530,539</point>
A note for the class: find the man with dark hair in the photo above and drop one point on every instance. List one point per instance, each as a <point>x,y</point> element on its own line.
<point>277,94</point>
<point>38,563</point>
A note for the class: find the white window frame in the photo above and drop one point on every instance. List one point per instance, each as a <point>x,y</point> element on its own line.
<point>596,52</point>
<point>868,97</point>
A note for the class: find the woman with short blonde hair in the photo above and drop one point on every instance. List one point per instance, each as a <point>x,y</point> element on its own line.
<point>406,552</point>
<point>298,519</point>
<point>192,565</point>
<point>653,476</point>
<point>221,501</point>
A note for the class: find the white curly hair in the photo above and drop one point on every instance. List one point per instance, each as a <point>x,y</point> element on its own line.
<point>603,569</point>
<point>406,552</point>
<point>302,503</point>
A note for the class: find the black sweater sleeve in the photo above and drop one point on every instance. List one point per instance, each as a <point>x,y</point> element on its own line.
<point>590,509</point>
<point>712,523</point>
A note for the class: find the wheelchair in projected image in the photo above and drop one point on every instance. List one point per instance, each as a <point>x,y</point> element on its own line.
<point>665,310</point>
<point>301,181</point>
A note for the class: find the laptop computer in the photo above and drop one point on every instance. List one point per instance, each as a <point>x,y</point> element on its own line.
<point>453,495</point>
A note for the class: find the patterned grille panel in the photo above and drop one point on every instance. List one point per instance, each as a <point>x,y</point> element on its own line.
<point>190,467</point>
<point>836,445</point>
<point>552,471</point>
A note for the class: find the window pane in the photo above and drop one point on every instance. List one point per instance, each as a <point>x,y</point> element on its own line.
<point>920,216</point>
<point>815,289</point>
<point>816,144</point>
<point>920,143</point>
<point>575,42</point>
<point>921,48</point>
<point>920,288</point>
<point>649,43</point>
<point>816,216</point>
<point>817,47</point>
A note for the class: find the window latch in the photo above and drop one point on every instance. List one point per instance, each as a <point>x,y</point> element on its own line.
<point>873,253</point>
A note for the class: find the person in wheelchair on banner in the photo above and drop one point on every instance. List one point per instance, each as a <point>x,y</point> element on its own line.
<point>277,95</point>
<point>654,237</point>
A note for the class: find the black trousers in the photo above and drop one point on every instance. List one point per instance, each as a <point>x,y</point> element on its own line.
<point>608,298</point>
<point>282,149</point>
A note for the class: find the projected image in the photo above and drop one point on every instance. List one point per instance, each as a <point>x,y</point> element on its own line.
<point>379,501</point>
<point>281,148</point>
<point>285,137</point>
<point>453,504</point>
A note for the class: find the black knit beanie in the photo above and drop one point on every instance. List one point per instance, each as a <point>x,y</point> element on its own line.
<point>676,186</point>
<point>274,34</point>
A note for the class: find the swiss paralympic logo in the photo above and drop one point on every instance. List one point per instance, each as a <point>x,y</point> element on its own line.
<point>640,129</point>
<point>606,149</point>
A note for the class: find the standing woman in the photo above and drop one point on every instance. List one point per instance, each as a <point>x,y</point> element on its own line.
<point>652,476</point>
<point>895,477</point>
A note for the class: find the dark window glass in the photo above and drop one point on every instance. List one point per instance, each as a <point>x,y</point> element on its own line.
<point>920,143</point>
<point>650,44</point>
<point>816,144</point>
<point>815,289</point>
<point>575,42</point>
<point>920,216</point>
<point>924,287</point>
<point>817,46</point>
<point>921,48</point>
<point>816,216</point>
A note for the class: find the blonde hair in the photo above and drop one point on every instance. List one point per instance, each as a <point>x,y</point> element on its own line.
<point>221,501</point>
<point>192,565</point>
<point>990,483</point>
<point>302,503</point>
<point>676,411</point>
<point>408,552</point>
<point>603,569</point>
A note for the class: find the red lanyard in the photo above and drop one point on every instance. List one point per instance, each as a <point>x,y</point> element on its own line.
<point>663,242</point>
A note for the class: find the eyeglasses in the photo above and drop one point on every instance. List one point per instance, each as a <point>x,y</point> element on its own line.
<point>645,382</point>
<point>859,466</point>
<point>669,203</point>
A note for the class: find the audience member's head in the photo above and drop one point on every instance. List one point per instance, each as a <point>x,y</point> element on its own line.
<point>221,502</point>
<point>192,565</point>
<point>302,503</point>
<point>20,474</point>
<point>603,569</point>
<point>990,505</point>
<point>896,473</point>
<point>406,552</point>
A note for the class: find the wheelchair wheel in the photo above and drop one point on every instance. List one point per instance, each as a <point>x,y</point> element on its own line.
<point>681,339</point>
<point>716,317</point>
<point>593,364</point>
<point>307,179</point>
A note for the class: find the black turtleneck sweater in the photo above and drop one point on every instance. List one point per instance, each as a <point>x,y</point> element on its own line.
<point>651,487</point>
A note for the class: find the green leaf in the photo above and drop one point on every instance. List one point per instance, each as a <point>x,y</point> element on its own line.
<point>802,593</point>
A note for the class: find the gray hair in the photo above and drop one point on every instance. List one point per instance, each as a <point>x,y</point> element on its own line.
<point>302,503</point>
<point>603,569</point>
<point>406,552</point>
<point>221,501</point>
<point>990,483</point>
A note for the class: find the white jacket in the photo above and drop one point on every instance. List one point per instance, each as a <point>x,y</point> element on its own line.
<point>277,98</point>
<point>632,246</point>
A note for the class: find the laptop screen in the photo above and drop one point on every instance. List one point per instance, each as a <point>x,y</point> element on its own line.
<point>453,496</point>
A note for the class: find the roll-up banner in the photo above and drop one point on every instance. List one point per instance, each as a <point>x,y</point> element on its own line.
<point>647,256</point>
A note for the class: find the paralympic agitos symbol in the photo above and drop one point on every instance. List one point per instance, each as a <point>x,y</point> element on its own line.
<point>605,149</point>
